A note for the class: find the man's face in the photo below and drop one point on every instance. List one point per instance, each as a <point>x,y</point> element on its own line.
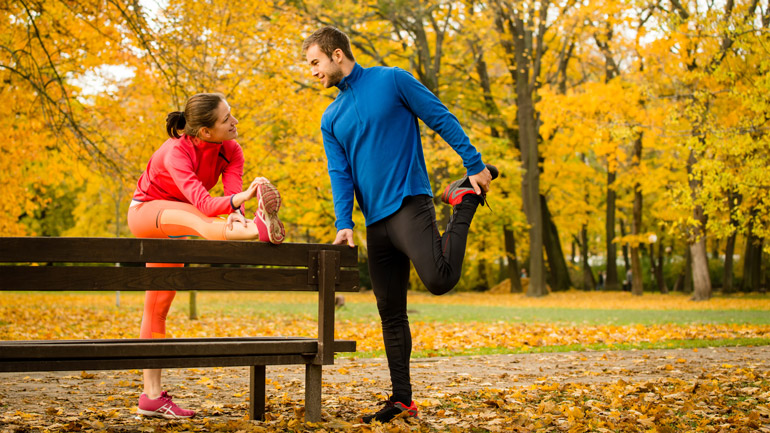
<point>323,67</point>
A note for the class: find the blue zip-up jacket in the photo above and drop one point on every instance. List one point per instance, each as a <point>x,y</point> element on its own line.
<point>372,141</point>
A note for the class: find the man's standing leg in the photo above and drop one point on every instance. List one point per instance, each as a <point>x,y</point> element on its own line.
<point>389,272</point>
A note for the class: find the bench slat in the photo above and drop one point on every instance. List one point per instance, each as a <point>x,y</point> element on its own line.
<point>144,350</point>
<point>140,363</point>
<point>204,340</point>
<point>84,278</point>
<point>159,348</point>
<point>131,250</point>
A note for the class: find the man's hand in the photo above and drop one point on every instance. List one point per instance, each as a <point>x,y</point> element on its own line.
<point>480,181</point>
<point>344,236</point>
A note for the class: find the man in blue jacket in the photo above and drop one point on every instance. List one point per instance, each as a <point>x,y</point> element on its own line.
<point>374,152</point>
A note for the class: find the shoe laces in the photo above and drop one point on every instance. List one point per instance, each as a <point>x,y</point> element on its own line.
<point>386,404</point>
<point>485,202</point>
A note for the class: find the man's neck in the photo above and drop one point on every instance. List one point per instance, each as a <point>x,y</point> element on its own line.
<point>347,67</point>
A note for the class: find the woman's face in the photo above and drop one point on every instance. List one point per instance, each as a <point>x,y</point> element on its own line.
<point>224,128</point>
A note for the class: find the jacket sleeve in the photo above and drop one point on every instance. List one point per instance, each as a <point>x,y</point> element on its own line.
<point>341,179</point>
<point>232,175</point>
<point>425,105</point>
<point>180,167</point>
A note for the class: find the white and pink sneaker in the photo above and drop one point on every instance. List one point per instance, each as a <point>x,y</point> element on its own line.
<point>266,217</point>
<point>162,406</point>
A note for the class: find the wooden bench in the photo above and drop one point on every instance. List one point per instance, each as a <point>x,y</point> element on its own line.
<point>35,264</point>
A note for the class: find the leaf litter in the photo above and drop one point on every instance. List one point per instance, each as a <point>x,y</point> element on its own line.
<point>711,390</point>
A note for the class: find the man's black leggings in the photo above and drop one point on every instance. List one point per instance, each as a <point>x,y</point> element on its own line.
<point>411,234</point>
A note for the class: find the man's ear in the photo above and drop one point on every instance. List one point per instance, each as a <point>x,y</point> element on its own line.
<point>338,55</point>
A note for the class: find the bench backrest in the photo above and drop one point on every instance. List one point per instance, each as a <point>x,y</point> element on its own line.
<point>291,266</point>
<point>214,265</point>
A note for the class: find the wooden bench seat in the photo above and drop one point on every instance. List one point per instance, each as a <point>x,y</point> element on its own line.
<point>89,264</point>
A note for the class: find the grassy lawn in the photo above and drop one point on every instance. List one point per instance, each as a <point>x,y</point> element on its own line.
<point>362,307</point>
<point>456,324</point>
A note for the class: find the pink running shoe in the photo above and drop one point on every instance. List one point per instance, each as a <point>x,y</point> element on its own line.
<point>162,406</point>
<point>267,212</point>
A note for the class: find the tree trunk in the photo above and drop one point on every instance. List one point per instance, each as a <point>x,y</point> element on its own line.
<point>611,70</point>
<point>752,263</point>
<point>727,274</point>
<point>700,271</point>
<point>680,283</point>
<point>756,272</point>
<point>530,185</point>
<point>733,200</point>
<point>687,287</point>
<point>611,282</point>
<point>483,283</point>
<point>700,263</point>
<point>637,285</point>
<point>559,275</point>
<point>589,283</point>
<point>193,305</point>
<point>514,273</point>
<point>624,248</point>
<point>659,269</point>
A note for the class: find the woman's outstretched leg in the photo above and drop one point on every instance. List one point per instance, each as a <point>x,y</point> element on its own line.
<point>163,219</point>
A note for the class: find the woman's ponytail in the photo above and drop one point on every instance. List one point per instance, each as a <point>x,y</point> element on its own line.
<point>175,122</point>
<point>200,111</point>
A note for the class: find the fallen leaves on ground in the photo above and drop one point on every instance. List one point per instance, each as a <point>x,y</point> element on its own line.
<point>725,396</point>
<point>700,394</point>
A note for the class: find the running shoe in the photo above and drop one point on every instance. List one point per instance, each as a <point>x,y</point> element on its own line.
<point>390,410</point>
<point>455,191</point>
<point>267,212</point>
<point>162,406</point>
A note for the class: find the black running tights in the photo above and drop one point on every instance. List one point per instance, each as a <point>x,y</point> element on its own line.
<point>408,235</point>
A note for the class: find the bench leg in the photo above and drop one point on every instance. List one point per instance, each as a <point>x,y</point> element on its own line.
<point>257,392</point>
<point>312,393</point>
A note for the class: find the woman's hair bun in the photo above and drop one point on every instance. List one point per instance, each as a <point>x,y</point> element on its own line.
<point>175,122</point>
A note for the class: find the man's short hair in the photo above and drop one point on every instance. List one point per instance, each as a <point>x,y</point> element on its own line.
<point>329,39</point>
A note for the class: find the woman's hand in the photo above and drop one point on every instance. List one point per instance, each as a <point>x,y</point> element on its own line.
<point>235,217</point>
<point>250,192</point>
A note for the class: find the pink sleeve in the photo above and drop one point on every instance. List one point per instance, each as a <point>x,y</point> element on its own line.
<point>232,176</point>
<point>179,166</point>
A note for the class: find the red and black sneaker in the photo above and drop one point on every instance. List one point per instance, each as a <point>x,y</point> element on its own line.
<point>390,410</point>
<point>455,191</point>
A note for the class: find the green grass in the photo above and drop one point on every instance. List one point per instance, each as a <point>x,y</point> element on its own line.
<point>465,313</point>
<point>669,344</point>
<point>209,303</point>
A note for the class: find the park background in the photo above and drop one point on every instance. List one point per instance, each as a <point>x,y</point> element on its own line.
<point>632,135</point>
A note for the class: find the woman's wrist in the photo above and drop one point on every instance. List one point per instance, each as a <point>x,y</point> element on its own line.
<point>236,200</point>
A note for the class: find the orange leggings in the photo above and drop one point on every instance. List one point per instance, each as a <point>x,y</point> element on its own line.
<point>171,219</point>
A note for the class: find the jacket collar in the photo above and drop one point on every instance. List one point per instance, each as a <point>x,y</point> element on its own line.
<point>351,78</point>
<point>201,144</point>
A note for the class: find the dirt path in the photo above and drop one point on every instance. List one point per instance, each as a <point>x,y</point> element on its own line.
<point>107,399</point>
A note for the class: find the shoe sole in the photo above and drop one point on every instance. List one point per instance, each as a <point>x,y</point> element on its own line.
<point>162,415</point>
<point>269,204</point>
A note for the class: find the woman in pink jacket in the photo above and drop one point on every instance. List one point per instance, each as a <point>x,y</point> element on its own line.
<point>172,200</point>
